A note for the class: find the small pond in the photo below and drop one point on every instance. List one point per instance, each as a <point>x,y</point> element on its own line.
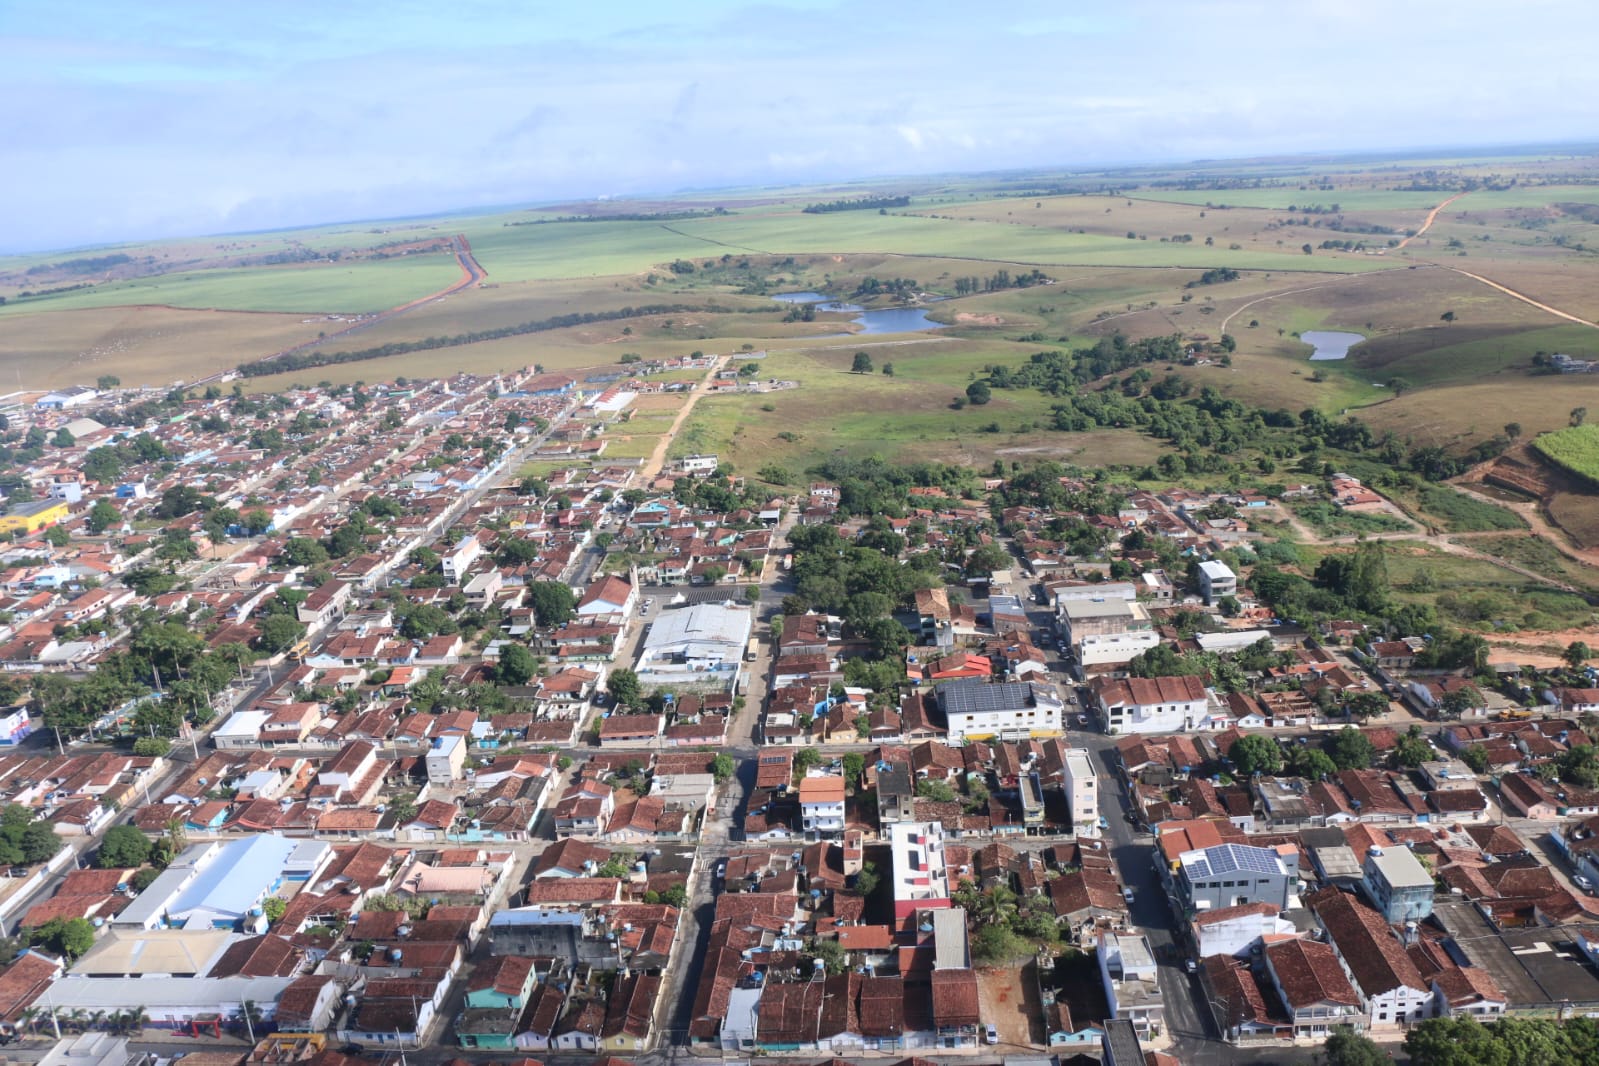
<point>1330,344</point>
<point>886,320</point>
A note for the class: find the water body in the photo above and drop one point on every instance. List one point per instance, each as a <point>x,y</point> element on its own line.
<point>1330,344</point>
<point>887,320</point>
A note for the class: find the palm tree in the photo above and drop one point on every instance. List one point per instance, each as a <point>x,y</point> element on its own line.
<point>997,905</point>
<point>137,1018</point>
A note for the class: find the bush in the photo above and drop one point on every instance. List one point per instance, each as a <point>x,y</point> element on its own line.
<point>122,848</point>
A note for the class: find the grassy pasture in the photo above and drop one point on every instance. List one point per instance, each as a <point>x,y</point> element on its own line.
<point>141,345</point>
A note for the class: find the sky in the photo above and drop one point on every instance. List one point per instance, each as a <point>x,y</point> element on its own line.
<point>131,120</point>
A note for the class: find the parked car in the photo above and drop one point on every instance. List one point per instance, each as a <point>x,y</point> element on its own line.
<point>1103,823</point>
<point>1583,883</point>
<point>1127,895</point>
<point>991,1034</point>
<point>1190,966</point>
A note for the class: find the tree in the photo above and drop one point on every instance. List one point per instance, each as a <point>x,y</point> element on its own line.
<point>1307,249</point>
<point>623,685</point>
<point>151,747</point>
<point>832,954</point>
<point>1512,430</point>
<point>805,759</point>
<point>723,767</point>
<point>978,393</point>
<point>39,842</point>
<point>70,937</point>
<point>867,880</point>
<point>862,363</point>
<point>553,603</point>
<point>1576,653</point>
<point>1348,1048</point>
<point>1351,749</point>
<point>1476,757</point>
<point>1367,704</point>
<point>1412,749</point>
<point>102,516</point>
<point>998,945</point>
<point>279,633</point>
<point>517,665</point>
<point>1578,414</point>
<point>122,848</point>
<point>854,766</point>
<point>64,438</point>
<point>1312,763</point>
<point>107,381</point>
<point>1447,316</point>
<point>1458,702</point>
<point>934,789</point>
<point>1256,753</point>
<point>888,369</point>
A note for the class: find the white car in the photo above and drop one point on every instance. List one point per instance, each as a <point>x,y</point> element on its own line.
<point>1583,883</point>
<point>991,1034</point>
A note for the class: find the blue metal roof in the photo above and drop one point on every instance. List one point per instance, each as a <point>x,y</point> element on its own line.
<point>235,881</point>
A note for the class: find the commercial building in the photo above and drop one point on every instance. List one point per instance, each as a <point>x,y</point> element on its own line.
<point>1006,710</point>
<point>694,646</point>
<point>1151,704</point>
<point>1101,616</point>
<point>217,886</point>
<point>1228,875</point>
<point>32,516</point>
<point>921,873</point>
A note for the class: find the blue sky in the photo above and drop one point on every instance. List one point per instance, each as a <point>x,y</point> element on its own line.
<point>166,117</point>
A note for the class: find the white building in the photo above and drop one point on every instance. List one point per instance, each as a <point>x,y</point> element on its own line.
<point>458,560</point>
<point>1216,580</point>
<point>1006,710</point>
<point>1132,981</point>
<point>1114,649</point>
<point>1236,930</point>
<point>921,872</point>
<point>1151,704</point>
<point>694,645</point>
<point>446,759</point>
<point>1082,787</point>
<point>822,806</point>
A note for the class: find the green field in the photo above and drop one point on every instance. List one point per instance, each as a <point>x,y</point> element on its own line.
<point>325,288</point>
<point>1575,449</point>
<point>1459,513</point>
<point>1330,521</point>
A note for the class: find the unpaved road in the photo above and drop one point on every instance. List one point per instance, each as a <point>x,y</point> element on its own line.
<point>658,456</point>
<point>1524,298</point>
<point>1432,216</point>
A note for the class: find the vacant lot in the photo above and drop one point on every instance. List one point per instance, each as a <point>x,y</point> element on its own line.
<point>1009,1000</point>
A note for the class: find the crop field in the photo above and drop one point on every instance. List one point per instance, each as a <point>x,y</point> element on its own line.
<point>347,288</point>
<point>1574,449</point>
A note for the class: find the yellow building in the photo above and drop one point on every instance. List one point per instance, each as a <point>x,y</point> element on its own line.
<point>32,516</point>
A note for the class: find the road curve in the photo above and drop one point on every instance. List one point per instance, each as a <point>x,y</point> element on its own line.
<point>1432,216</point>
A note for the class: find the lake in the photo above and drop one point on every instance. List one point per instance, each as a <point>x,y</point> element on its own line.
<point>1330,344</point>
<point>887,320</point>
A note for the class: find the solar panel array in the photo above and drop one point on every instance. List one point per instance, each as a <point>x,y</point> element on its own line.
<point>978,697</point>
<point>1228,858</point>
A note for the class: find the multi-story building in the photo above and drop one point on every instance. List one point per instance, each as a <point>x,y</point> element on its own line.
<point>1151,704</point>
<point>446,759</point>
<point>822,806</point>
<point>1216,580</point>
<point>921,874</point>
<point>1391,988</point>
<point>1228,875</point>
<point>1104,616</point>
<point>1006,710</point>
<point>1132,981</point>
<point>1397,884</point>
<point>1082,787</point>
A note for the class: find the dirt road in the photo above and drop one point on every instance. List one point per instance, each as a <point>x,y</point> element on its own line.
<point>658,457</point>
<point>1432,216</point>
<point>1524,298</point>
